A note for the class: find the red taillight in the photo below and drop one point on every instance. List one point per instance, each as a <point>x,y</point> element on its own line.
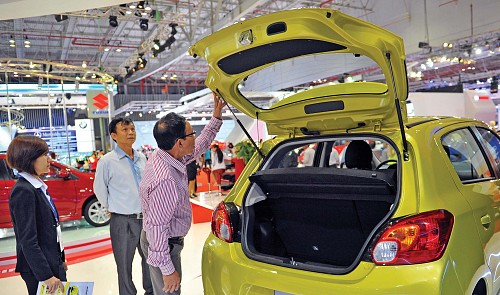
<point>417,239</point>
<point>221,223</point>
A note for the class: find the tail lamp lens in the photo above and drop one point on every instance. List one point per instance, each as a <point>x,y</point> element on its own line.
<point>221,223</point>
<point>417,239</point>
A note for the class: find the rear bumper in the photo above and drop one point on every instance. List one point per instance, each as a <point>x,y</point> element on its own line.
<point>226,270</point>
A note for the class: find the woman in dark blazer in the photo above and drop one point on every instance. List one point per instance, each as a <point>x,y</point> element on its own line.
<point>40,255</point>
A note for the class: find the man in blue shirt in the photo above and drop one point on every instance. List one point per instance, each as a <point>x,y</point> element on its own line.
<point>116,185</point>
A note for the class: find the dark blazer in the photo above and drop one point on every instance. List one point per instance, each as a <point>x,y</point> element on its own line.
<point>36,232</point>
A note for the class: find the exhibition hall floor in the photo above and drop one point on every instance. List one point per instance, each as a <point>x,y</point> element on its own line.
<point>102,270</point>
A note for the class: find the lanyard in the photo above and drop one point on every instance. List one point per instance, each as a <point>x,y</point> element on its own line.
<point>53,207</point>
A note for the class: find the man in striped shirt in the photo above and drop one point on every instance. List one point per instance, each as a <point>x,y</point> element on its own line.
<point>165,196</point>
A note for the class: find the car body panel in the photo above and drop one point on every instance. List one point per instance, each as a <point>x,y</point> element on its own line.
<point>463,260</point>
<point>250,277</point>
<point>427,180</point>
<point>69,194</point>
<point>321,25</point>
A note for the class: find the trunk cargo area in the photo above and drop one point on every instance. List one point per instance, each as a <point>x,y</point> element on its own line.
<point>316,215</point>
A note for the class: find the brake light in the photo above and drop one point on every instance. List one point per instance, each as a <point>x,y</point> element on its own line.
<point>417,239</point>
<point>224,218</point>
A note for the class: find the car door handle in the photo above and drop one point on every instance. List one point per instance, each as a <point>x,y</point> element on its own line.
<point>485,221</point>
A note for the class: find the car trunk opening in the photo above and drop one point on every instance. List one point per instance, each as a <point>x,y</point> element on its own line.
<point>315,218</point>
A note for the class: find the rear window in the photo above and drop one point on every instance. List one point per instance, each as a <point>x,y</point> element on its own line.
<point>332,153</point>
<point>297,74</point>
<point>465,155</point>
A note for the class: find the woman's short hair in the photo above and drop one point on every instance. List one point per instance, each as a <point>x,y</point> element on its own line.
<point>168,129</point>
<point>23,151</point>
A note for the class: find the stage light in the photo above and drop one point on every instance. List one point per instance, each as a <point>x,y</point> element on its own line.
<point>84,64</point>
<point>156,44</point>
<point>140,4</point>
<point>113,21</point>
<point>143,23</point>
<point>146,6</point>
<point>173,25</point>
<point>423,45</point>
<point>58,99</point>
<point>60,17</point>
<point>11,101</point>
<point>68,95</point>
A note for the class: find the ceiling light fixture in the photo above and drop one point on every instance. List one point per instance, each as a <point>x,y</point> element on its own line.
<point>84,64</point>
<point>140,4</point>
<point>113,21</point>
<point>60,17</point>
<point>143,23</point>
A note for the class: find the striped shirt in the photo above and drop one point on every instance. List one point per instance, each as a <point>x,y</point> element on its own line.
<point>165,198</point>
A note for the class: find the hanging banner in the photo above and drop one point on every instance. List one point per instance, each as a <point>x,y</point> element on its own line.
<point>98,104</point>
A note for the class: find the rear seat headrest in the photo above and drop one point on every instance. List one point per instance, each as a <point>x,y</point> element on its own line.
<point>358,155</point>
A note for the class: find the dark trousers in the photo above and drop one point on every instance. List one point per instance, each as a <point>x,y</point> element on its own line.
<point>156,275</point>
<point>32,282</point>
<point>125,235</point>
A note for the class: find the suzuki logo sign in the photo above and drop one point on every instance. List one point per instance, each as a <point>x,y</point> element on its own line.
<point>100,101</point>
<point>98,104</point>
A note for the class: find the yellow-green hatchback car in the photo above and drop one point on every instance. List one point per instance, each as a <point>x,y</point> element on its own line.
<point>351,196</point>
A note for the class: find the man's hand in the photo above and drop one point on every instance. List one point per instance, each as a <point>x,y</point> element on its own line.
<point>53,284</point>
<point>171,282</point>
<point>218,105</point>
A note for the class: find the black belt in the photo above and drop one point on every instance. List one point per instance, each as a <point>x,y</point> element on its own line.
<point>176,239</point>
<point>135,215</point>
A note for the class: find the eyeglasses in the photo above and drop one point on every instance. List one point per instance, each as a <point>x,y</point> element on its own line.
<point>190,134</point>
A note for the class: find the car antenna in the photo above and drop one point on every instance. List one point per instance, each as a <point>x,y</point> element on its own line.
<point>241,125</point>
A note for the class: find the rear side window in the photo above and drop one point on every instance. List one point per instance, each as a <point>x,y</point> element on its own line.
<point>465,155</point>
<point>492,144</point>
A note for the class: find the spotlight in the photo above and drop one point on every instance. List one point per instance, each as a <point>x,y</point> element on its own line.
<point>143,23</point>
<point>173,25</point>
<point>113,21</point>
<point>68,95</point>
<point>11,101</point>
<point>60,17</point>
<point>140,4</point>
<point>58,99</point>
<point>423,45</point>
<point>156,44</point>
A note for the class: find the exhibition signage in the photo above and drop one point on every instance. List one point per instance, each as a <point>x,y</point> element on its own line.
<point>56,139</point>
<point>99,104</point>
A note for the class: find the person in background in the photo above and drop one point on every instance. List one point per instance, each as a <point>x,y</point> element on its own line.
<point>165,195</point>
<point>334,160</point>
<point>208,160</point>
<point>308,156</point>
<point>218,165</point>
<point>191,169</point>
<point>116,186</point>
<point>93,159</point>
<point>39,247</point>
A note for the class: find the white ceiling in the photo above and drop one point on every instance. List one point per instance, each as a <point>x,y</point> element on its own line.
<point>87,36</point>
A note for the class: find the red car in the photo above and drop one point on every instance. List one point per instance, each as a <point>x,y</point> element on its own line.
<point>71,190</point>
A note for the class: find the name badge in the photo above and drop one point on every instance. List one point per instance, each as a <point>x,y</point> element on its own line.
<point>59,237</point>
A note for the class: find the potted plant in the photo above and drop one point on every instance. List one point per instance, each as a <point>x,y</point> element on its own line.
<point>244,150</point>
